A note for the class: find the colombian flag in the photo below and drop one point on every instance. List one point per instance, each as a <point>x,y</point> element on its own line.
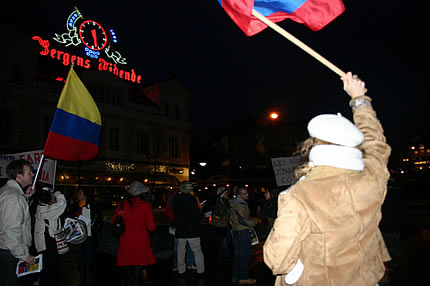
<point>315,14</point>
<point>75,130</point>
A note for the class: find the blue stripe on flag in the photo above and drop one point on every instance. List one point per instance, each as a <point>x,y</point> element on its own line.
<point>76,127</point>
<point>268,7</point>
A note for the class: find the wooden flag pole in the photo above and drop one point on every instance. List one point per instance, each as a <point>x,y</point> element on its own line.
<point>299,43</point>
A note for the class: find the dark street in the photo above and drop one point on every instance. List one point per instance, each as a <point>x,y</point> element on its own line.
<point>414,263</point>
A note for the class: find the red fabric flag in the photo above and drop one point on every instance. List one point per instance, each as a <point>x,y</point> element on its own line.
<point>315,14</point>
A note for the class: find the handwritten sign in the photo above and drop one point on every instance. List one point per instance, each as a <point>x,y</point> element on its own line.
<point>284,169</point>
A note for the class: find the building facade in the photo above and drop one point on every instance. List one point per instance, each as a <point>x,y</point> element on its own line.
<point>145,128</point>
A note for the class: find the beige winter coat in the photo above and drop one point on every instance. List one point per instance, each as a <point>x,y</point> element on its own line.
<point>15,221</point>
<point>330,219</point>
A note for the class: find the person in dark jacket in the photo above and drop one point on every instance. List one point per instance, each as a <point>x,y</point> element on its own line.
<point>186,214</point>
<point>220,221</point>
<point>86,210</point>
<point>269,208</point>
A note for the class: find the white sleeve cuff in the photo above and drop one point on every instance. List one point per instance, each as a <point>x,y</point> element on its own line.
<point>294,275</point>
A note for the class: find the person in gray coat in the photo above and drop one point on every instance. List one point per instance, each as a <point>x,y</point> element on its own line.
<point>15,222</point>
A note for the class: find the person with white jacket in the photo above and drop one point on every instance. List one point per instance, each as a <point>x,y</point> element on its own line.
<point>50,207</point>
<point>15,221</point>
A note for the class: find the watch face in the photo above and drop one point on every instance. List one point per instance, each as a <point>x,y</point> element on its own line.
<point>93,35</point>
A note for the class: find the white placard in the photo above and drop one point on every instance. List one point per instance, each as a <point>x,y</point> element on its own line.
<point>47,172</point>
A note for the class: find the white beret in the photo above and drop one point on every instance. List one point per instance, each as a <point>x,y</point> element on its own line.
<point>335,129</point>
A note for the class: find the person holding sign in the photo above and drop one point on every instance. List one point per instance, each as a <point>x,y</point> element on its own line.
<point>15,222</point>
<point>326,232</point>
<point>49,209</point>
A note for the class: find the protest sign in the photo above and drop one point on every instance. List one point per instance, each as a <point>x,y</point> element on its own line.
<point>48,169</point>
<point>284,169</point>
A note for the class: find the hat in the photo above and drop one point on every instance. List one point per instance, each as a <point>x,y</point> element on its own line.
<point>137,188</point>
<point>335,129</point>
<point>186,187</point>
<point>220,191</point>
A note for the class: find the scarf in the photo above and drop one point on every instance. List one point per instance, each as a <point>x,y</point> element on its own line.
<point>82,203</point>
<point>337,156</point>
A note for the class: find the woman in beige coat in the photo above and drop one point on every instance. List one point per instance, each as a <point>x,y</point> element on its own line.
<point>327,230</point>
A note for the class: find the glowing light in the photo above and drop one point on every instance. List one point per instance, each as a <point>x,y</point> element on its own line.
<point>203,164</point>
<point>274,115</point>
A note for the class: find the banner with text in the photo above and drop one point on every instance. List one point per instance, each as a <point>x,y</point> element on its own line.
<point>47,172</point>
<point>284,169</point>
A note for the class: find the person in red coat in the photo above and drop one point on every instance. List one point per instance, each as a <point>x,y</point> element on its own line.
<point>135,252</point>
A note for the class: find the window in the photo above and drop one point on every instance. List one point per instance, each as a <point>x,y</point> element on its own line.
<point>143,142</point>
<point>174,147</point>
<point>114,138</point>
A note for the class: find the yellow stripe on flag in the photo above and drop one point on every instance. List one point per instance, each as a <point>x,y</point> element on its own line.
<point>76,99</point>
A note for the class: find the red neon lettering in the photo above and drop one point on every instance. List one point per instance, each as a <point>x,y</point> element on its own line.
<point>127,76</point>
<point>103,65</point>
<point>53,51</point>
<point>59,53</point>
<point>133,76</point>
<point>115,70</point>
<point>67,59</point>
<point>80,61</point>
<point>43,44</point>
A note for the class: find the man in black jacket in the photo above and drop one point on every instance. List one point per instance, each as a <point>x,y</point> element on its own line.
<point>186,214</point>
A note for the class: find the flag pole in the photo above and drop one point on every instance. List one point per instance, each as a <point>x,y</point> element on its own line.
<point>299,43</point>
<point>38,169</point>
<point>55,176</point>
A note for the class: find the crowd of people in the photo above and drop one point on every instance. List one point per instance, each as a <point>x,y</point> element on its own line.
<point>30,222</point>
<point>323,230</point>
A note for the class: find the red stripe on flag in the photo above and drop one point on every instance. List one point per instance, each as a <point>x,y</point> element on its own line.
<point>69,149</point>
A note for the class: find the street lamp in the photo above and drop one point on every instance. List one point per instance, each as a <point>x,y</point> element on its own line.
<point>203,164</point>
<point>274,115</point>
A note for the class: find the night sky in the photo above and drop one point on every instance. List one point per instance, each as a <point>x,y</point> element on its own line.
<point>231,75</point>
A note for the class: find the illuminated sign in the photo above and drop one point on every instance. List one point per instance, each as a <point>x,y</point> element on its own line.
<point>96,42</point>
<point>119,167</point>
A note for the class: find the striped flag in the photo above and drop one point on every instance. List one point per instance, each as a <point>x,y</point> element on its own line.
<point>75,130</point>
<point>315,14</point>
